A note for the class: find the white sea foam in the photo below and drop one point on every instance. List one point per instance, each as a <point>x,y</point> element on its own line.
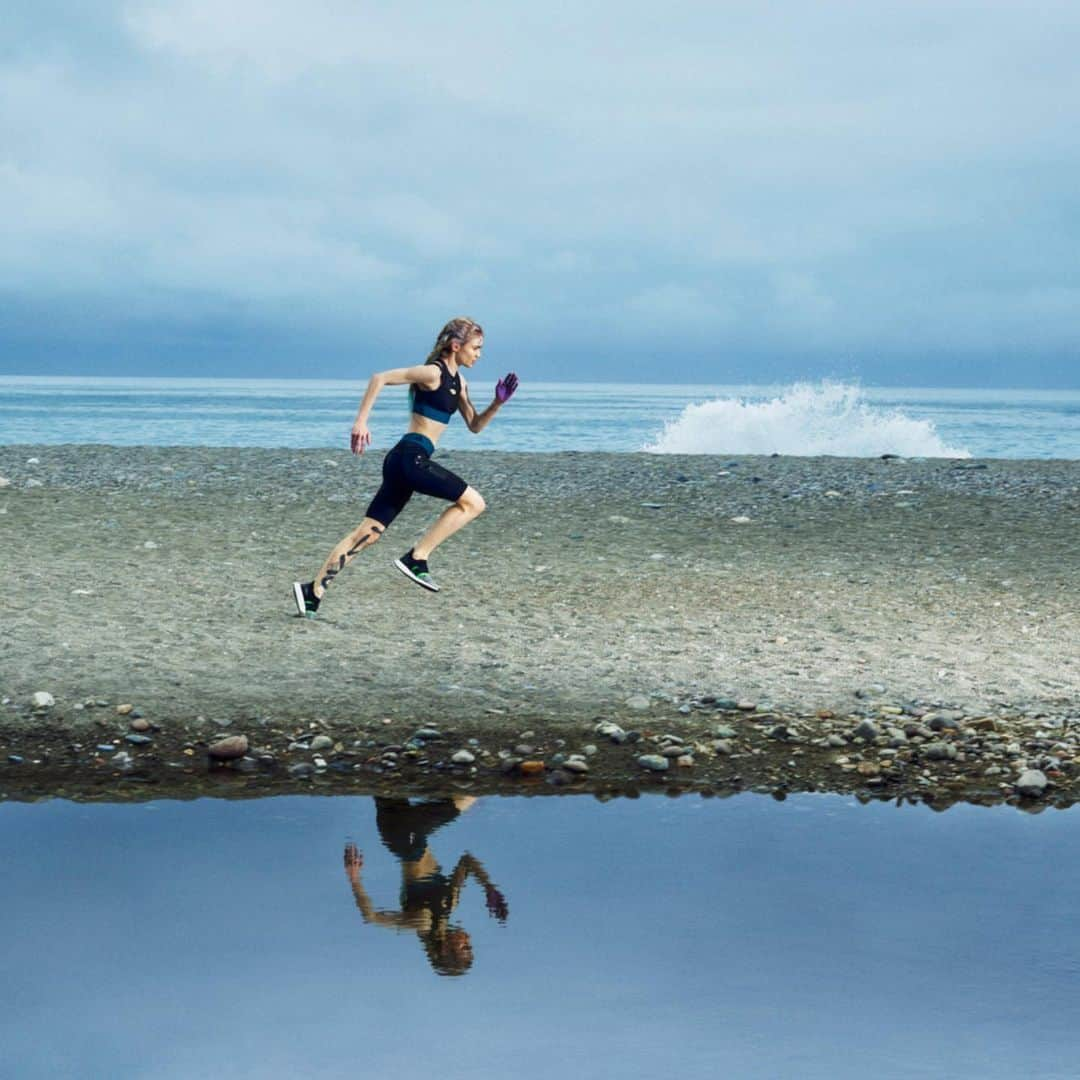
<point>806,420</point>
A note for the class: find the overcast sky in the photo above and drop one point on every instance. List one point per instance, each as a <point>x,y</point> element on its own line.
<point>665,191</point>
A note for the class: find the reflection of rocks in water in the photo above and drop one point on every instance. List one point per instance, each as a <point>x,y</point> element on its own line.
<point>428,896</point>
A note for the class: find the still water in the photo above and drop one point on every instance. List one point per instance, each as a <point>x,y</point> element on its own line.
<point>635,938</point>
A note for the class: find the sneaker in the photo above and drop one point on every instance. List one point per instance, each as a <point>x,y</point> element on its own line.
<point>307,603</point>
<point>416,570</point>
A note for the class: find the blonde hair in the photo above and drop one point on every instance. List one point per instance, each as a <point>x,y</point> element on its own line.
<point>460,330</point>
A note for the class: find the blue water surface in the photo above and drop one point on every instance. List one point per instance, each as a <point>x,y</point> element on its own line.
<point>542,417</point>
<point>814,938</point>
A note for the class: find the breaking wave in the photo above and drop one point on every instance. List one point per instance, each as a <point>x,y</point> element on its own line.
<point>804,420</point>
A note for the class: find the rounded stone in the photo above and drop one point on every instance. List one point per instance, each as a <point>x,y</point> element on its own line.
<point>1032,783</point>
<point>867,730</point>
<point>939,751</point>
<point>653,762</point>
<point>229,748</point>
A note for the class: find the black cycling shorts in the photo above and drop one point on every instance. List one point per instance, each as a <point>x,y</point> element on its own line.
<point>407,468</point>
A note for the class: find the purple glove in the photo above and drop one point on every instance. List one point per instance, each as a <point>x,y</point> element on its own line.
<point>504,389</point>
<point>496,903</point>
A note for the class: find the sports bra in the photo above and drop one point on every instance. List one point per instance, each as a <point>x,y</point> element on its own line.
<point>442,402</point>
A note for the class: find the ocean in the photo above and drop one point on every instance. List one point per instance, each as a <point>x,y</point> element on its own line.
<point>808,419</point>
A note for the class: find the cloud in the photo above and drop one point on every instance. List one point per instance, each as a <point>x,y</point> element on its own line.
<point>871,176</point>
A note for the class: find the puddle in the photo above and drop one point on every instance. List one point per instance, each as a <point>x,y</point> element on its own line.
<point>652,937</point>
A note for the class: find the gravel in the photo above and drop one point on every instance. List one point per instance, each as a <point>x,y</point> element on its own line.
<point>965,598</point>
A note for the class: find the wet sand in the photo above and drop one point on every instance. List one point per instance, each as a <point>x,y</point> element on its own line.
<point>615,587</point>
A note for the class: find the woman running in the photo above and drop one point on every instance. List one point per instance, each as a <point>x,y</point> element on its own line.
<point>436,390</point>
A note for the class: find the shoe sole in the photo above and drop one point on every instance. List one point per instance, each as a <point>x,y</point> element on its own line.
<point>429,585</point>
<point>301,607</point>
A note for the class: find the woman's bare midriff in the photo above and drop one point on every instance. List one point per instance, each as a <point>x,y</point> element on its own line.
<point>430,429</point>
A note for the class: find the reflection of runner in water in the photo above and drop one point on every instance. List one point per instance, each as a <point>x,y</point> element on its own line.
<point>437,390</point>
<point>428,896</point>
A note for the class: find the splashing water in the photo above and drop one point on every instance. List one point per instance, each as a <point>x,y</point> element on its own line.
<point>805,420</point>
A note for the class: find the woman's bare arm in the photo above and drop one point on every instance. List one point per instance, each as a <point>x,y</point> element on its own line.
<point>494,899</point>
<point>425,375</point>
<point>353,861</point>
<point>475,421</point>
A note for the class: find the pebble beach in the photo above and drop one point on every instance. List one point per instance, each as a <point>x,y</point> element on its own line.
<point>887,625</point>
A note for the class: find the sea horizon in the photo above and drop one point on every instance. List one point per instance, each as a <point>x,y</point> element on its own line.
<point>799,418</point>
<point>23,378</point>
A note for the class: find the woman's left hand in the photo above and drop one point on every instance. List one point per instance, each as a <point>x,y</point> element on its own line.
<point>504,389</point>
<point>496,903</point>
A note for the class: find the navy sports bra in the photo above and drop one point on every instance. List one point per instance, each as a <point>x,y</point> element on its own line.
<point>442,402</point>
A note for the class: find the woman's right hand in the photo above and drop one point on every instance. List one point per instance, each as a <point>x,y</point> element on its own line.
<point>353,860</point>
<point>361,437</point>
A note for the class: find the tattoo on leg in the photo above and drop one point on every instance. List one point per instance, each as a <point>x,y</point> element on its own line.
<point>332,572</point>
<point>359,544</point>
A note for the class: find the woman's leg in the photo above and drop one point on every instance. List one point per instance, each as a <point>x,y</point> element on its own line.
<point>467,508</point>
<point>363,536</point>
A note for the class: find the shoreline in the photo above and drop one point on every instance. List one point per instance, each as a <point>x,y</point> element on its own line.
<point>938,759</point>
<point>621,588</point>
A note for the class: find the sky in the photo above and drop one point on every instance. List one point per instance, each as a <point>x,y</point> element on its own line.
<point>699,192</point>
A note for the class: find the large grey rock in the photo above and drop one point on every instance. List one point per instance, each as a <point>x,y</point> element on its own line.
<point>1032,783</point>
<point>612,731</point>
<point>867,730</point>
<point>939,751</point>
<point>653,762</point>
